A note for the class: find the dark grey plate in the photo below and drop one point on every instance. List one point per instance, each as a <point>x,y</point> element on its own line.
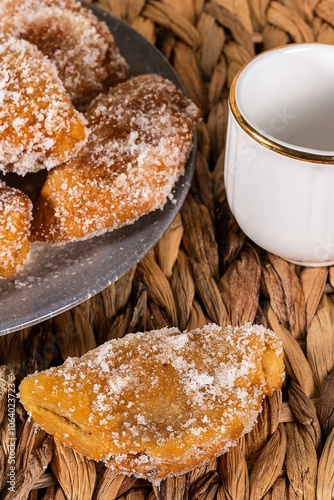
<point>57,278</point>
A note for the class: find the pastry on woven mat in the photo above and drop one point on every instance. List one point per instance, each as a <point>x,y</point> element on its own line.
<point>141,136</point>
<point>81,46</point>
<point>39,127</point>
<point>15,217</point>
<point>158,403</point>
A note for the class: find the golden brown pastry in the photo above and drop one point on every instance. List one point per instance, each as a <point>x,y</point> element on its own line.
<point>141,135</point>
<point>39,127</point>
<point>81,46</point>
<point>159,403</point>
<point>15,217</point>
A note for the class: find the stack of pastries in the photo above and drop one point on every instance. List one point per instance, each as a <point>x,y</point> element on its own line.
<point>112,145</point>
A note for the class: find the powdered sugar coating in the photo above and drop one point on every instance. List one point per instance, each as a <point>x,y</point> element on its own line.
<point>15,217</point>
<point>159,403</point>
<point>80,45</point>
<point>39,127</point>
<point>141,136</point>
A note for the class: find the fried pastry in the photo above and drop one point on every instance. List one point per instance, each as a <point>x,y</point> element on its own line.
<point>15,217</point>
<point>39,127</point>
<point>159,403</point>
<point>141,135</point>
<point>81,46</point>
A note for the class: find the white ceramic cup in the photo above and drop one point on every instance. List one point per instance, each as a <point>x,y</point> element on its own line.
<point>279,164</point>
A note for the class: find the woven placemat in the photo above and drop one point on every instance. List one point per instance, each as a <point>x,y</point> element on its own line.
<point>203,270</point>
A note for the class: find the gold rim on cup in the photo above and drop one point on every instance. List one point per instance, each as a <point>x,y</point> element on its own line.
<point>264,140</point>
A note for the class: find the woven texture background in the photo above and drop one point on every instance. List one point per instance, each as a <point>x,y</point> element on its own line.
<point>202,270</point>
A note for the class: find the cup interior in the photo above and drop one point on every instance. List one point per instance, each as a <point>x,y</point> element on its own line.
<point>287,95</point>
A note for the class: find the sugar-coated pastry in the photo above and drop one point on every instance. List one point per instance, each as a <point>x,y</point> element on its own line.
<point>141,135</point>
<point>15,218</point>
<point>159,403</point>
<point>39,127</point>
<point>81,46</point>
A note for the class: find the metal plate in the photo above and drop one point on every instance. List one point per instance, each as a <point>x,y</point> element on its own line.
<point>57,278</point>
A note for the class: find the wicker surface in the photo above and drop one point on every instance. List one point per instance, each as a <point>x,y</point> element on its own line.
<point>202,270</point>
